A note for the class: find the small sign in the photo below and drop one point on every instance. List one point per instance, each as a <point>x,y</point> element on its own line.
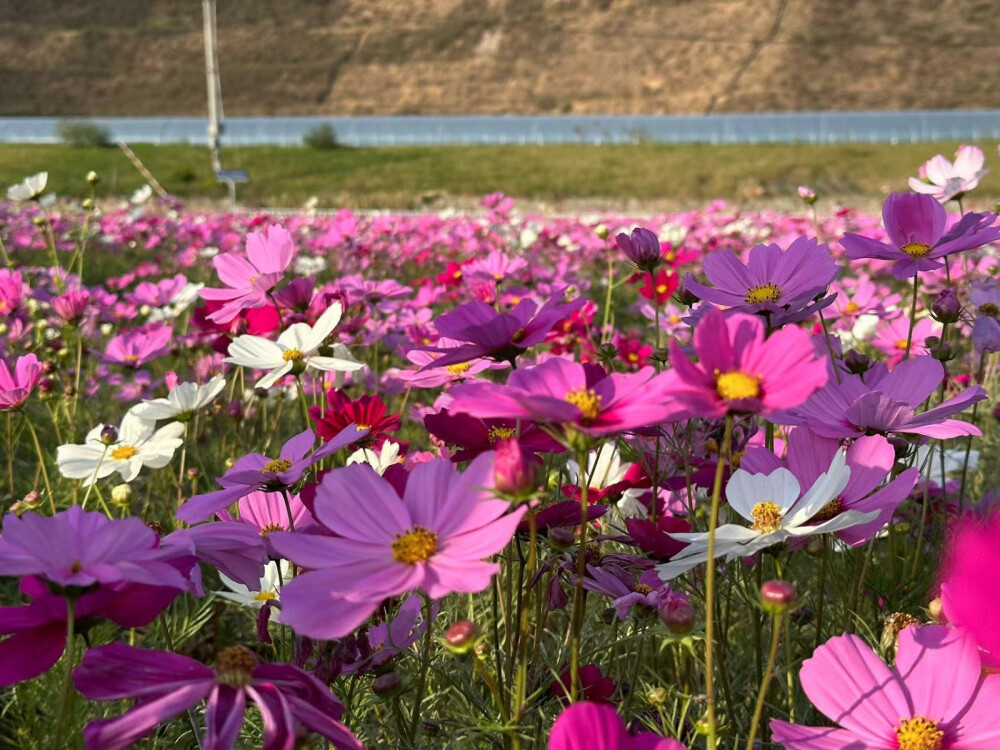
<point>239,176</point>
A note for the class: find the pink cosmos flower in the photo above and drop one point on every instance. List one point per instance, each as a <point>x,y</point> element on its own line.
<point>890,338</point>
<point>71,305</point>
<point>166,684</point>
<point>137,346</point>
<point>596,726</point>
<point>739,371</point>
<point>265,512</point>
<point>870,459</point>
<point>250,277</point>
<point>580,397</point>
<point>16,387</point>
<point>496,267</point>
<point>11,292</point>
<point>934,698</point>
<point>258,472</point>
<point>433,540</point>
<point>945,180</point>
<point>970,588</point>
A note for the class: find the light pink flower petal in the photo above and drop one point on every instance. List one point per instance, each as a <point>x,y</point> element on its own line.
<point>446,575</point>
<point>357,503</point>
<point>310,608</point>
<point>978,728</point>
<point>940,668</point>
<point>797,737</point>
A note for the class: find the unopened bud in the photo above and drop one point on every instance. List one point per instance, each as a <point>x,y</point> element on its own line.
<point>677,614</point>
<point>561,537</point>
<point>777,596</point>
<point>936,610</point>
<point>193,473</point>
<point>946,308</point>
<point>121,494</point>
<point>901,445</point>
<point>857,363</point>
<point>92,177</point>
<point>942,351</point>
<point>515,470</point>
<point>602,231</point>
<point>657,696</point>
<point>462,637</point>
<point>87,204</point>
<point>808,195</point>
<point>32,499</point>
<point>387,685</point>
<point>685,296</point>
<point>109,434</point>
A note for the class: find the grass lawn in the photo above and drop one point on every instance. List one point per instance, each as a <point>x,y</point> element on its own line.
<point>408,177</point>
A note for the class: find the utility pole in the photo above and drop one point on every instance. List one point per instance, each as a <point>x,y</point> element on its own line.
<point>215,116</point>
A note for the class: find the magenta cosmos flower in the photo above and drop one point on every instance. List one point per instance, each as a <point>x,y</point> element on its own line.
<point>741,371</point>
<point>915,225</point>
<point>248,278</point>
<point>883,402</point>
<point>258,472</point>
<point>166,684</point>
<point>16,387</point>
<point>77,548</point>
<point>934,698</point>
<point>432,540</point>
<point>501,336</point>
<point>579,397</point>
<point>642,247</point>
<point>597,726</point>
<point>970,588</point>
<point>870,459</point>
<point>774,281</point>
<point>137,346</point>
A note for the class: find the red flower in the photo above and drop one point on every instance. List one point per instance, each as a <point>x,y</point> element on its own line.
<point>452,275</point>
<point>594,686</point>
<point>666,285</point>
<point>341,411</point>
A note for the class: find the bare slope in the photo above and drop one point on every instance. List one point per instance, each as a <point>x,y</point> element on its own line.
<point>145,57</point>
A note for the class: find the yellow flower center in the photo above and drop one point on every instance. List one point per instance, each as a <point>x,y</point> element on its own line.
<point>767,517</point>
<point>292,355</point>
<point>266,596</point>
<point>131,357</point>
<point>123,453</point>
<point>276,466</point>
<point>269,528</point>
<point>363,426</point>
<point>851,307</point>
<point>989,309</point>
<point>734,386</point>
<point>919,733</point>
<point>633,357</point>
<point>254,279</point>
<point>235,666</point>
<point>414,546</point>
<point>586,400</point>
<point>496,434</point>
<point>661,288</point>
<point>901,344</point>
<point>762,293</point>
<point>916,249</point>
<point>459,368</point>
<point>831,510</point>
<point>643,588</point>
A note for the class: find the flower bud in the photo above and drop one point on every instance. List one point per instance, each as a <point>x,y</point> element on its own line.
<point>92,177</point>
<point>32,499</point>
<point>602,231</point>
<point>109,434</point>
<point>87,204</point>
<point>685,296</point>
<point>857,363</point>
<point>808,195</point>
<point>642,247</point>
<point>777,596</point>
<point>387,685</point>
<point>193,473</point>
<point>677,614</point>
<point>515,471</point>
<point>462,637</point>
<point>901,445</point>
<point>942,351</point>
<point>561,537</point>
<point>657,696</point>
<point>935,609</point>
<point>946,308</point>
<point>996,411</point>
<point>121,494</point>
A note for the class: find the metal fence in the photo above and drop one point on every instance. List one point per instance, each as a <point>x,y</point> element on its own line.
<point>785,127</point>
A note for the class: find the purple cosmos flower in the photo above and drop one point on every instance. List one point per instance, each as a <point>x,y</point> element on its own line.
<point>11,292</point>
<point>870,459</point>
<point>624,591</point>
<point>915,225</point>
<point>578,397</point>
<point>234,549</point>
<point>739,370</point>
<point>250,277</point>
<point>642,248</point>
<point>137,346</point>
<point>389,639</point>
<point>77,548</point>
<point>985,296</point>
<point>71,305</point>
<point>258,472</point>
<point>433,540</point>
<point>166,684</point>
<point>499,336</point>
<point>883,402</point>
<point>16,387</point>
<point>773,282</point>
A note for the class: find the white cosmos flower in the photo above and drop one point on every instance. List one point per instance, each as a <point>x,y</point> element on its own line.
<point>29,188</point>
<point>184,299</point>
<point>604,468</point>
<point>182,402</point>
<point>380,461</point>
<point>139,444</point>
<point>141,195</point>
<point>294,351</point>
<point>770,502</point>
<point>269,589</point>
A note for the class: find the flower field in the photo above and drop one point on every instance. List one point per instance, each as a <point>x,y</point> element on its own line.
<point>713,479</point>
